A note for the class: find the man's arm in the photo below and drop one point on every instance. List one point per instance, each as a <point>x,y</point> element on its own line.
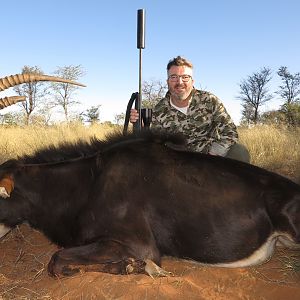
<point>224,133</point>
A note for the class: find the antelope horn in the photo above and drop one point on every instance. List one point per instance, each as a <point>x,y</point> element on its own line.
<point>10,81</point>
<point>7,101</point>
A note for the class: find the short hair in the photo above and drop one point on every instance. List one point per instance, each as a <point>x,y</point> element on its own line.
<point>179,62</point>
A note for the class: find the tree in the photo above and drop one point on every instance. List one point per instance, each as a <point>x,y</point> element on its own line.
<point>248,116</point>
<point>254,92</point>
<point>273,117</point>
<point>64,92</point>
<point>12,118</point>
<point>288,91</point>
<point>44,114</point>
<point>119,118</point>
<point>33,91</point>
<point>92,114</point>
<point>292,113</point>
<point>153,91</point>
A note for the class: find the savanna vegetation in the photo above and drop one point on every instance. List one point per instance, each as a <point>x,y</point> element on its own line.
<point>19,140</point>
<point>42,99</point>
<point>273,148</point>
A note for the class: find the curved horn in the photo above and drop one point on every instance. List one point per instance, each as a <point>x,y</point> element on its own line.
<point>10,81</point>
<point>7,101</point>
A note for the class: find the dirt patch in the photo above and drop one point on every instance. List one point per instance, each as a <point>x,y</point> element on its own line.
<point>24,254</point>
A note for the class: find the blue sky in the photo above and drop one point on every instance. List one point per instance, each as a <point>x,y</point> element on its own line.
<point>225,40</point>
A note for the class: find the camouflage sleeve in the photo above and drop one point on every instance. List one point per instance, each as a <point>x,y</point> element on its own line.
<point>159,113</point>
<point>155,123</point>
<point>224,133</point>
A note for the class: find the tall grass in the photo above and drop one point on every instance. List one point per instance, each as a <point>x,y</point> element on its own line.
<point>17,141</point>
<point>276,149</point>
<point>273,148</point>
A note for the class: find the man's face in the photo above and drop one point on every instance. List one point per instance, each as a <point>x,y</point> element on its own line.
<point>180,87</point>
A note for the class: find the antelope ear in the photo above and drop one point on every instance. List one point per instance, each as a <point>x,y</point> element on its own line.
<point>6,186</point>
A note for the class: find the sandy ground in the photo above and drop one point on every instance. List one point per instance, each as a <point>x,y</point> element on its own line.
<point>24,254</point>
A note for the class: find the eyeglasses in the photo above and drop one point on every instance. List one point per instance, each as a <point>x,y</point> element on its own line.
<point>184,77</point>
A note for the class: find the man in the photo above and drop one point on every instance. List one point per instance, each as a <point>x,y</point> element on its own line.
<point>198,115</point>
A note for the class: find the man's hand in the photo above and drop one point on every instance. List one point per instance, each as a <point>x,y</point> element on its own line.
<point>134,115</point>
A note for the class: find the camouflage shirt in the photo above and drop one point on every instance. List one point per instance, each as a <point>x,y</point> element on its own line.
<point>207,126</point>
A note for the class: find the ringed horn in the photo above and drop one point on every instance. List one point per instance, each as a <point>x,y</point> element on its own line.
<point>7,101</point>
<point>13,80</point>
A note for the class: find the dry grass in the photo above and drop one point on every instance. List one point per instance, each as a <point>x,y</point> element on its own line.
<point>290,263</point>
<point>272,148</point>
<point>17,141</point>
<point>276,149</point>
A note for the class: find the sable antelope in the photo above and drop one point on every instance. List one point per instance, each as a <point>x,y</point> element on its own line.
<point>118,205</point>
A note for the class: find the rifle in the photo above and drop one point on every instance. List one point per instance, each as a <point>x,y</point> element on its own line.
<point>145,114</point>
